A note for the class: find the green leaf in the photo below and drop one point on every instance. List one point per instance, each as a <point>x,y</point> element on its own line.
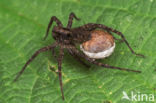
<point>23,24</point>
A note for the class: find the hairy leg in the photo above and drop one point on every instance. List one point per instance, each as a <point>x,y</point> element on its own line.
<point>54,53</point>
<point>33,57</point>
<point>77,58</point>
<point>92,26</point>
<point>60,58</point>
<point>93,61</point>
<point>58,22</point>
<point>120,40</point>
<point>70,20</point>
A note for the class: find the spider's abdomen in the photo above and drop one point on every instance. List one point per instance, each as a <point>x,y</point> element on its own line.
<point>100,45</point>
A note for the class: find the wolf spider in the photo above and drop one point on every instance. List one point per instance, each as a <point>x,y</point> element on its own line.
<point>67,38</point>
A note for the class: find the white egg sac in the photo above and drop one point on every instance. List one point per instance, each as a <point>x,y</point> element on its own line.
<point>99,55</point>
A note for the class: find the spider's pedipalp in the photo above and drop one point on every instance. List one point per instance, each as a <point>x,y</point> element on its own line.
<point>58,22</point>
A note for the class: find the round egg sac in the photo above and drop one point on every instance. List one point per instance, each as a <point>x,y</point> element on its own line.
<point>100,45</point>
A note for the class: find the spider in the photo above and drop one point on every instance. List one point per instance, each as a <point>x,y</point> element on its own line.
<point>67,38</point>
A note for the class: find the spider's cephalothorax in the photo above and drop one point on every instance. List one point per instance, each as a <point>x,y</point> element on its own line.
<point>57,35</point>
<point>68,36</point>
<point>95,44</point>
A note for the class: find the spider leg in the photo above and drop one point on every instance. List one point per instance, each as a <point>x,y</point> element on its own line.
<point>53,53</point>
<point>98,63</point>
<point>77,58</point>
<point>71,16</point>
<point>58,22</point>
<point>120,40</point>
<point>60,58</point>
<point>92,26</point>
<point>33,57</point>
